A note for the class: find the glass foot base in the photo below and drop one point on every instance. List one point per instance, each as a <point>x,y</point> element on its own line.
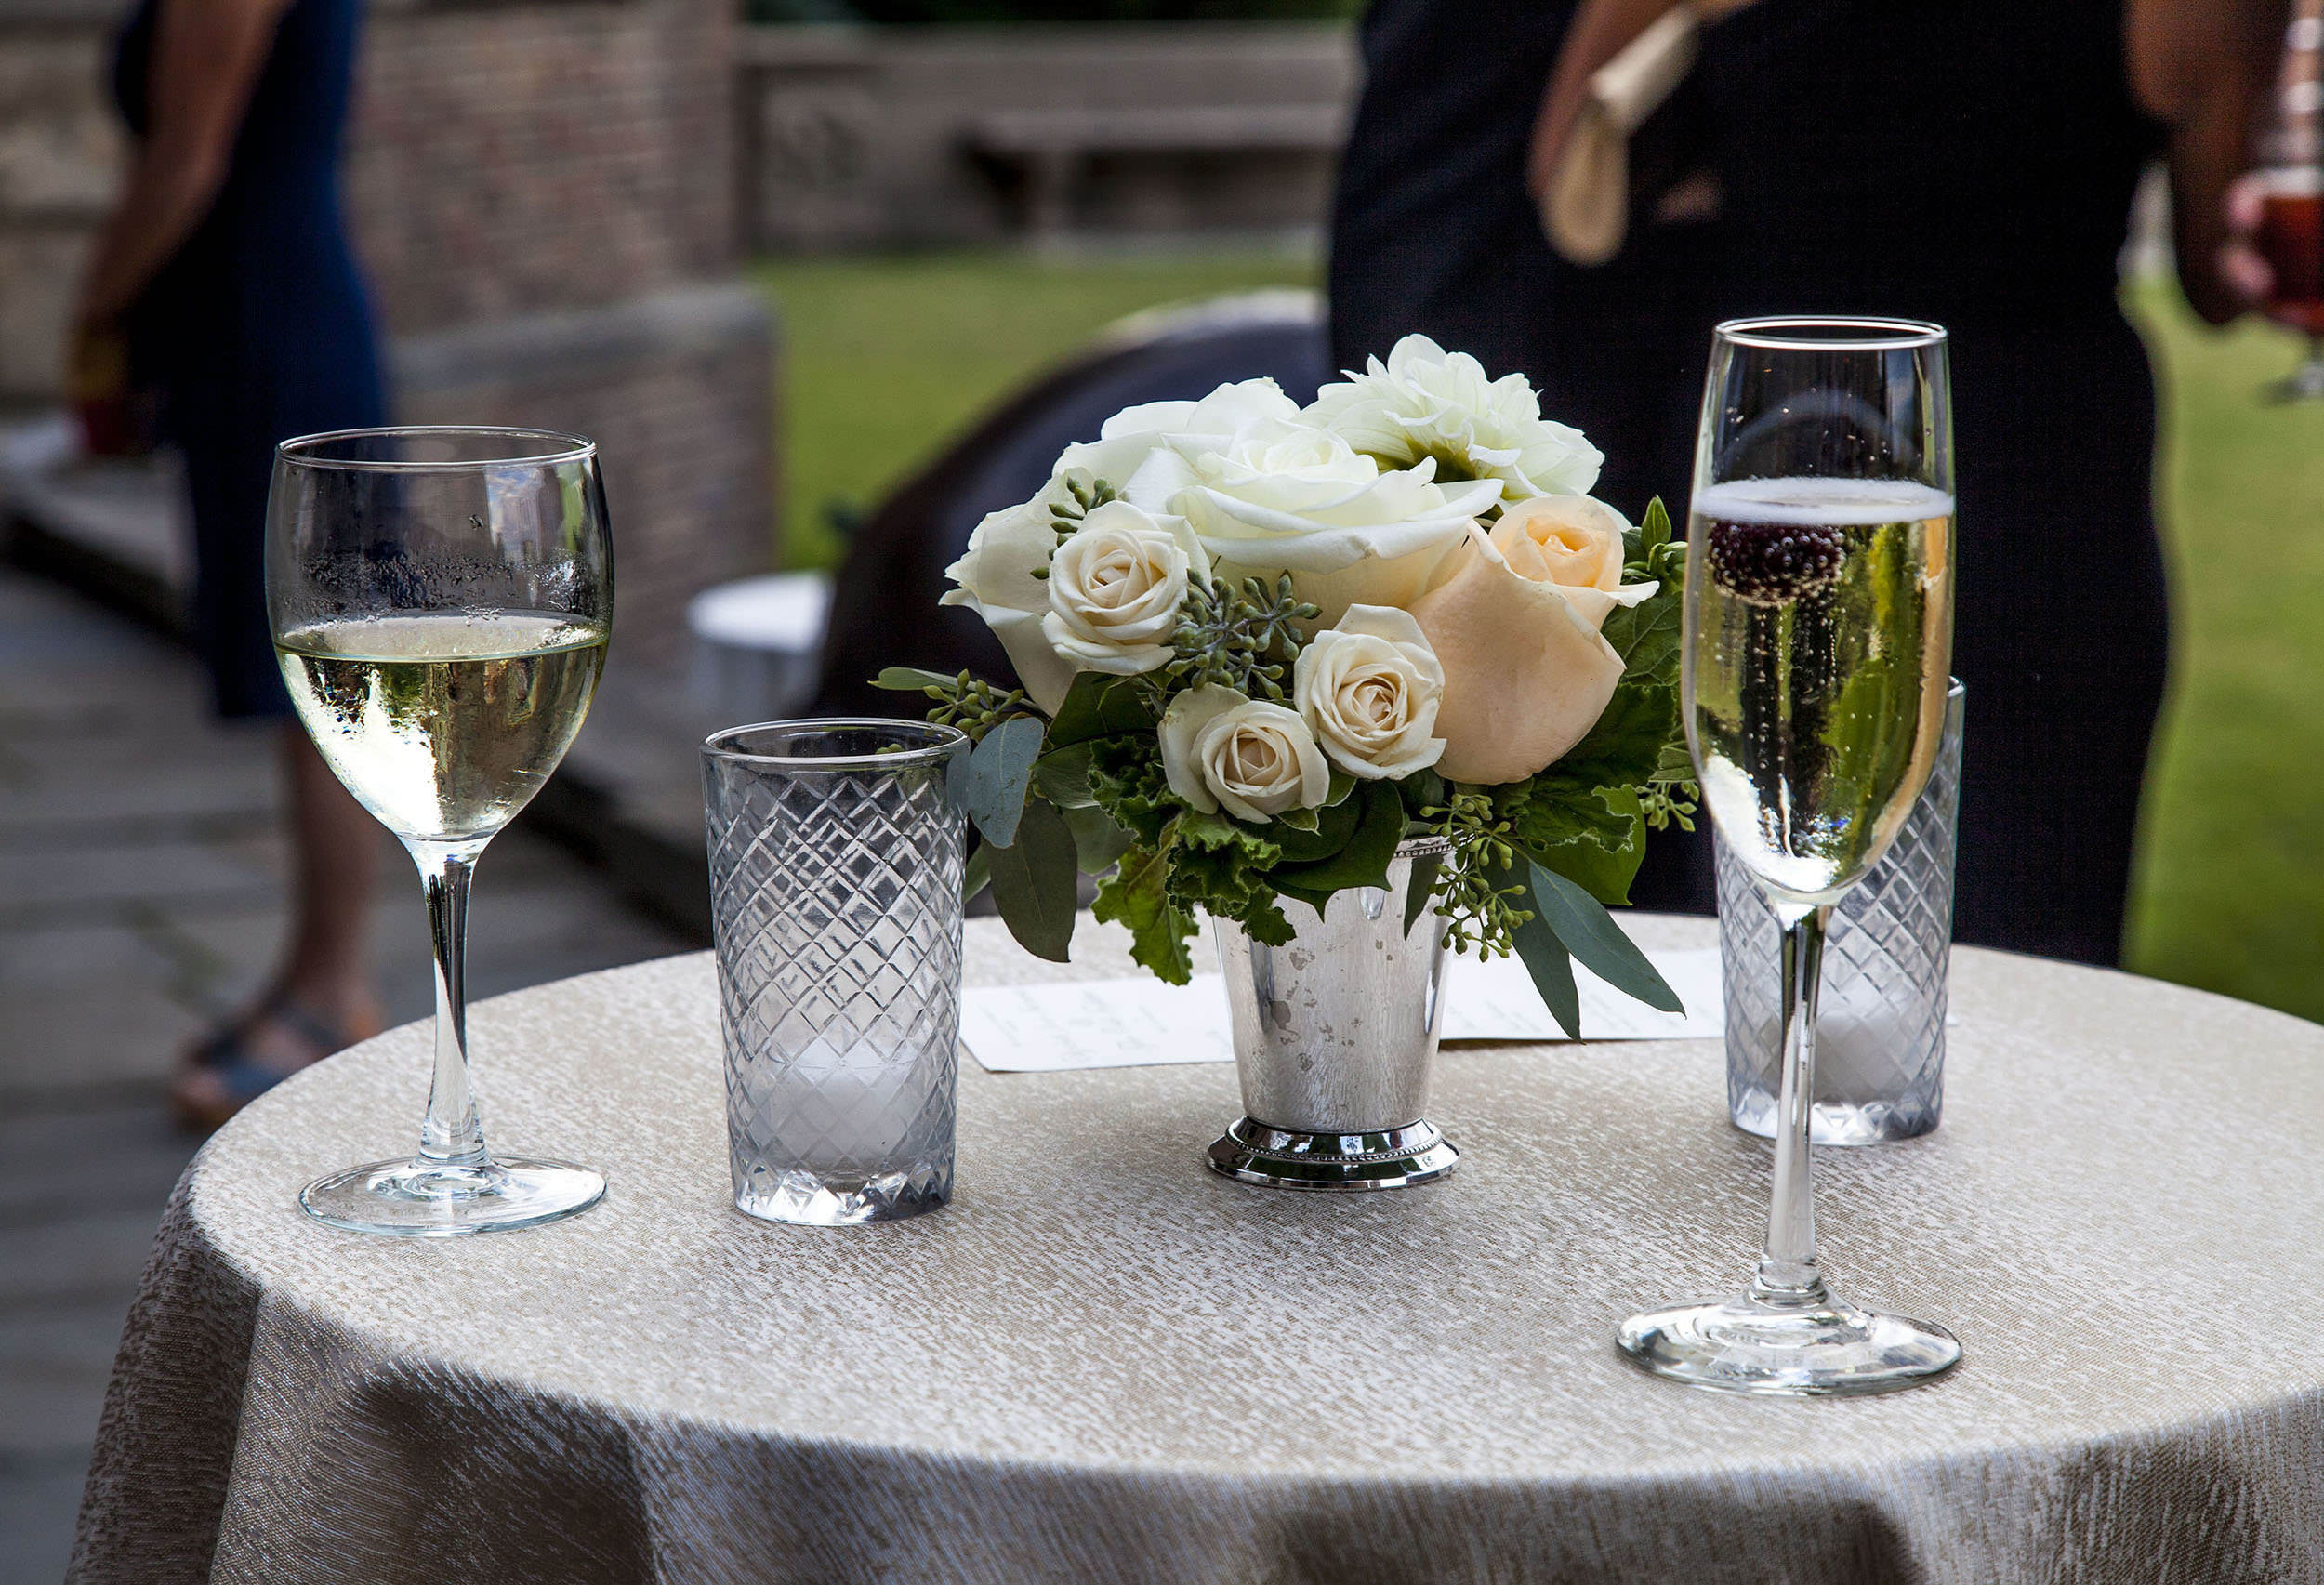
<point>427,1199</point>
<point>1392,1158</point>
<point>1828,1349</point>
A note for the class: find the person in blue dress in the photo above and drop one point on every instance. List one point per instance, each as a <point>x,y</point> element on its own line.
<point>225,282</point>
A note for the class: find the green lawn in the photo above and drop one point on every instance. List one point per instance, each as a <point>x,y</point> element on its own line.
<point>885,359</point>
<point>2231,888</point>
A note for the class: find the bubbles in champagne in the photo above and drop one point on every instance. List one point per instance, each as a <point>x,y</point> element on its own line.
<point>1819,642</point>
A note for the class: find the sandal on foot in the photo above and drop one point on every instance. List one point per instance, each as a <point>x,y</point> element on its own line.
<point>226,1053</point>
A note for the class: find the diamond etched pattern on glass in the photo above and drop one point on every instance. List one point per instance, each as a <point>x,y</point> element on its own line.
<point>1880,1040</point>
<point>837,911</point>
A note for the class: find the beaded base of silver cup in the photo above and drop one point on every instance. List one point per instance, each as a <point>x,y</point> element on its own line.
<point>1335,1040</point>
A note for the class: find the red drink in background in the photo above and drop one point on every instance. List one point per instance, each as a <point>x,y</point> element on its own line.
<point>2291,239</point>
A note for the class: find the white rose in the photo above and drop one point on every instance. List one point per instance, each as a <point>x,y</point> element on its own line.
<point>1426,403</point>
<point>998,583</point>
<point>1281,495</point>
<point>1369,690</point>
<point>1254,759</point>
<point>1132,436</point>
<point>1115,588</point>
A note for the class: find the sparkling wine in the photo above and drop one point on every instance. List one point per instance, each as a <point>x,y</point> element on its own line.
<point>1819,669</point>
<point>443,725</point>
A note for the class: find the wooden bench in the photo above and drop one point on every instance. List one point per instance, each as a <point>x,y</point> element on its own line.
<point>1052,146</point>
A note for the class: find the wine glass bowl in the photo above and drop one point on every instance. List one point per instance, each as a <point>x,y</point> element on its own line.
<point>441,600</point>
<point>1816,659</point>
<point>2291,186</point>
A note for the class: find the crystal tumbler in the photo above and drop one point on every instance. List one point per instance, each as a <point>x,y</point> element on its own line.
<point>1880,1038</point>
<point>836,851</point>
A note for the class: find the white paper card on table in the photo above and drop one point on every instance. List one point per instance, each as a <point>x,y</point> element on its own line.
<point>1142,1023</point>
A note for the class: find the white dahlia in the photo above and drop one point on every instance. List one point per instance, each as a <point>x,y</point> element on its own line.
<point>1427,402</point>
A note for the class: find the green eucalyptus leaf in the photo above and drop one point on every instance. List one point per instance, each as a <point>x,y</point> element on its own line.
<point>1036,882</point>
<point>1100,705</point>
<point>1423,881</point>
<point>1364,861</point>
<point>977,874</point>
<point>1099,842</point>
<point>999,773</point>
<point>910,680</point>
<point>1063,774</point>
<point>1545,958</point>
<point>1591,935</point>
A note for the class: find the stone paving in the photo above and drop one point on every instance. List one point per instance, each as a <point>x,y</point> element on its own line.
<point>140,880</point>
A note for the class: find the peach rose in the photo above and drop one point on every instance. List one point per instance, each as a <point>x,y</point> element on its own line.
<point>1516,627</point>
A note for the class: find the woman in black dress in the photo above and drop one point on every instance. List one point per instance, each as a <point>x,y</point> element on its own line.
<point>1968,163</point>
<point>226,269</point>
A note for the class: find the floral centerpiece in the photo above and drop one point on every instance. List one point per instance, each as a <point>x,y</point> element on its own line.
<point>1260,647</point>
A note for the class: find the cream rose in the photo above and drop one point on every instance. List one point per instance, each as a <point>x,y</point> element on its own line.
<point>997,582</point>
<point>1280,496</point>
<point>1426,403</point>
<point>1369,689</point>
<point>1526,672</point>
<point>1115,588</point>
<point>1254,759</point>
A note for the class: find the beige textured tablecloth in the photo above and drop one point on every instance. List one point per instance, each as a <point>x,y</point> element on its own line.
<point>1103,1363</point>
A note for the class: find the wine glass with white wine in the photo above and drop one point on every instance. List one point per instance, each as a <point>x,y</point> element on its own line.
<point>441,599</point>
<point>1816,653</point>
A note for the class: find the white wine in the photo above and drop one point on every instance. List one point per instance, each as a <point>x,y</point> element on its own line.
<point>1819,662</point>
<point>443,725</point>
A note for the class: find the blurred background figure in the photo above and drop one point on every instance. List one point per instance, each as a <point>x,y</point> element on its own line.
<point>1973,166</point>
<point>225,278</point>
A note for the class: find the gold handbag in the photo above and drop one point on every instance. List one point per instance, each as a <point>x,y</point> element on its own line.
<point>1582,177</point>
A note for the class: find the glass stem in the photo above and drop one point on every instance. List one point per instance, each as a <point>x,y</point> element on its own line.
<point>1787,1277</point>
<point>451,1135</point>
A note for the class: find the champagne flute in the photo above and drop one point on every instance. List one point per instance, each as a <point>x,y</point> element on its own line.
<point>439,600</point>
<point>1816,653</point>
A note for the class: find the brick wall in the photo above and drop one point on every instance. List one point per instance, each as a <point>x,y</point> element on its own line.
<point>511,159</point>
<point>543,198</point>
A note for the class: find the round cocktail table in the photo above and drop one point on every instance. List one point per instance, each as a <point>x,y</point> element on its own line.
<point>1105,1363</point>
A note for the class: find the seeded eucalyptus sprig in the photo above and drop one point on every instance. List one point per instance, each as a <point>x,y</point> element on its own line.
<point>1084,493</point>
<point>974,705</point>
<point>1246,640</point>
<point>1479,915</point>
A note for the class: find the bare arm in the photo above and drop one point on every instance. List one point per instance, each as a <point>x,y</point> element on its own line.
<point>207,54</point>
<point>1599,30</point>
<point>2203,68</point>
